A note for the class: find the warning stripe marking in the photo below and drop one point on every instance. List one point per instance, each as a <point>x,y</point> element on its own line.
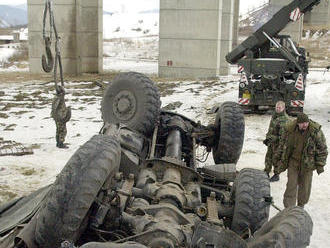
<point>295,14</point>
<point>243,101</point>
<point>300,82</point>
<point>240,69</point>
<point>297,103</point>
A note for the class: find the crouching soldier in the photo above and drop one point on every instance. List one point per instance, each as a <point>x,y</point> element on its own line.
<point>277,123</point>
<point>61,115</point>
<point>303,149</point>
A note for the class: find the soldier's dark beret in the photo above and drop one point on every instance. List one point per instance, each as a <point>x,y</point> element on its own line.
<point>302,117</point>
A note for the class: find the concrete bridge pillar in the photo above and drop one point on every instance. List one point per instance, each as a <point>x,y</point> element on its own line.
<point>194,37</point>
<point>236,23</point>
<point>79,24</point>
<point>319,17</point>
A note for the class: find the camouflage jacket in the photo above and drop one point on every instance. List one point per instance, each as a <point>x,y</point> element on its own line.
<point>60,112</point>
<point>276,127</point>
<point>315,152</point>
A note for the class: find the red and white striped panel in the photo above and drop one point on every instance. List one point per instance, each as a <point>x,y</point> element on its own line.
<point>295,14</point>
<point>244,79</point>
<point>300,82</point>
<point>240,69</point>
<point>297,103</point>
<point>243,101</point>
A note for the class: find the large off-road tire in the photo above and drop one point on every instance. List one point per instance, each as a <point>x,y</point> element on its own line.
<point>230,127</point>
<point>291,228</point>
<point>134,100</point>
<point>64,214</point>
<point>251,209</point>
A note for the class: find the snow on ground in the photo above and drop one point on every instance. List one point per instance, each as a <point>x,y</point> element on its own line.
<point>131,42</point>
<point>25,111</point>
<point>6,51</point>
<point>137,54</point>
<point>130,25</point>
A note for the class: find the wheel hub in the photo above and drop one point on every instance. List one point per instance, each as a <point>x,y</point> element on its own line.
<point>124,105</point>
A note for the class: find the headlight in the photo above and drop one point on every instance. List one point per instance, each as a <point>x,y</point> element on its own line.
<point>242,85</point>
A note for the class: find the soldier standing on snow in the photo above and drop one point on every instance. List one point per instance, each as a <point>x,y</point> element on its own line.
<point>277,123</point>
<point>302,150</point>
<point>61,115</point>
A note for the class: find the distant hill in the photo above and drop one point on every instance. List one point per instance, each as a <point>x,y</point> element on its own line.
<point>13,16</point>
<point>22,6</point>
<point>3,24</point>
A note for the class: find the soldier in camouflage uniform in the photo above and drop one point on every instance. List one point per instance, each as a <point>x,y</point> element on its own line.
<point>277,123</point>
<point>61,115</point>
<point>302,150</point>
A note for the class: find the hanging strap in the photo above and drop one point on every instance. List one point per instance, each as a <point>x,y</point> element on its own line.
<point>47,63</point>
<point>48,66</point>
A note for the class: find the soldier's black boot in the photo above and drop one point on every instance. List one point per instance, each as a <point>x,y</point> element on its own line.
<point>275,178</point>
<point>62,145</point>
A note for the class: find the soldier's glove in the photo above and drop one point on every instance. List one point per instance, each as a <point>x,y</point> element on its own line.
<point>319,170</point>
<point>266,142</point>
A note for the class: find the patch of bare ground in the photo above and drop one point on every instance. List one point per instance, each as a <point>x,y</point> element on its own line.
<point>10,127</point>
<point>10,105</point>
<point>27,171</point>
<point>47,78</point>
<point>4,115</point>
<point>172,106</point>
<point>21,97</point>
<point>167,88</point>
<point>5,194</point>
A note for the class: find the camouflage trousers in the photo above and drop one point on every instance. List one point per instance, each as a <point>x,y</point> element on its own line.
<point>60,131</point>
<point>298,187</point>
<point>270,160</point>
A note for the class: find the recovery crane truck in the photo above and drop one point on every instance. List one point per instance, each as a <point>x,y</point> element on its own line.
<point>272,66</point>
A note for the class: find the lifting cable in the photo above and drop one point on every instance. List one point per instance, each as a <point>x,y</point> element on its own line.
<point>48,64</point>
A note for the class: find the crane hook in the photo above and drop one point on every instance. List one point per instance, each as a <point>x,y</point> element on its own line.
<point>47,64</point>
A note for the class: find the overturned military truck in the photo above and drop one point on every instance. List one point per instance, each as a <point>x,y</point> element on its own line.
<point>272,66</point>
<point>140,183</point>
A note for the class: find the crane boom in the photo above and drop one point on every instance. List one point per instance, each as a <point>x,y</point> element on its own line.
<point>275,25</point>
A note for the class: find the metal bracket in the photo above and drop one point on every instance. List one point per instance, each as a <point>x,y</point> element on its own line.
<point>212,210</point>
<point>126,191</point>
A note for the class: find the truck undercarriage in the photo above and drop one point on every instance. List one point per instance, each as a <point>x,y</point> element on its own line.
<point>139,183</point>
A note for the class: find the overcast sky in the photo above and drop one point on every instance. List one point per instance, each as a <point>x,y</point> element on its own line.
<point>135,5</point>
